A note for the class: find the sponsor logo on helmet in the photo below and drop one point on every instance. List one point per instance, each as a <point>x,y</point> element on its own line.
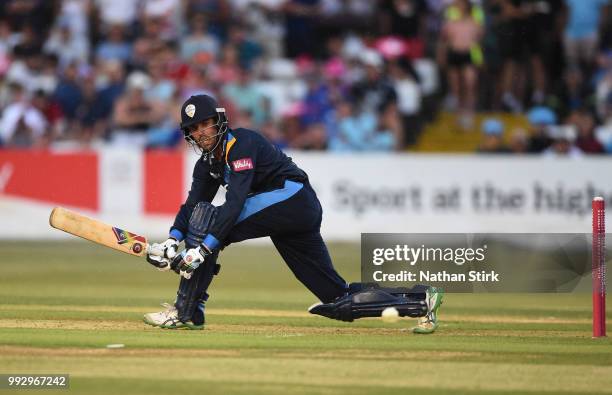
<point>190,110</point>
<point>242,164</point>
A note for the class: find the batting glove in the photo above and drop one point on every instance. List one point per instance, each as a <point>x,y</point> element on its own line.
<point>161,254</point>
<point>192,259</point>
<point>167,249</point>
<point>162,264</point>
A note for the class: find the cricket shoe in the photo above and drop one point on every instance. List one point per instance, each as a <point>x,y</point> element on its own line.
<point>168,319</point>
<point>429,323</point>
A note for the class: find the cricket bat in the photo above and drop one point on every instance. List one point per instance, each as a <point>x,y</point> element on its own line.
<point>98,232</point>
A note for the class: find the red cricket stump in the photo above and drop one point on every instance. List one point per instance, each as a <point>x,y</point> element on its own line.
<point>599,267</point>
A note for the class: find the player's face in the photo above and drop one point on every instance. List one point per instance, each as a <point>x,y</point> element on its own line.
<point>205,134</point>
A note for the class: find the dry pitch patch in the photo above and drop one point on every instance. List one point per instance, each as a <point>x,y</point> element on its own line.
<point>503,319</point>
<point>272,330</point>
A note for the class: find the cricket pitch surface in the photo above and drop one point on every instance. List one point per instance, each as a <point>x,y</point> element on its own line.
<point>61,304</point>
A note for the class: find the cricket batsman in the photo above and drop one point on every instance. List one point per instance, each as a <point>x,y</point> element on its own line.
<point>266,195</point>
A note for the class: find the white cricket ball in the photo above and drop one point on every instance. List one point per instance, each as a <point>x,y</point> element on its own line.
<point>390,314</point>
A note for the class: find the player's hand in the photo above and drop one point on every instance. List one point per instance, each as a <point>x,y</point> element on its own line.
<point>167,249</point>
<point>162,264</point>
<point>192,259</point>
<point>160,254</point>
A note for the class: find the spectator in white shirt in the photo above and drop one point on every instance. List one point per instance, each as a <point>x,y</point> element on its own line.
<point>22,125</point>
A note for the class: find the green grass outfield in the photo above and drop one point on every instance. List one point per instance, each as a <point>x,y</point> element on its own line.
<point>62,303</point>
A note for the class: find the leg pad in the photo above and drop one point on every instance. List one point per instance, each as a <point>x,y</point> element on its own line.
<point>371,301</point>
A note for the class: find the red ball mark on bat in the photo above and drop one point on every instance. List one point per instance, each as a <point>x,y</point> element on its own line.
<point>137,248</point>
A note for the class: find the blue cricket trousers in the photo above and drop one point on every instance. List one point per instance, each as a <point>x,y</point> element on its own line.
<point>291,217</point>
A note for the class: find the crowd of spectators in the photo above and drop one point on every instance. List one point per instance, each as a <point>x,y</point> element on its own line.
<point>340,75</point>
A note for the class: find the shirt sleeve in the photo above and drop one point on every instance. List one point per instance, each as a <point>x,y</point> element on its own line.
<point>242,160</point>
<point>203,188</point>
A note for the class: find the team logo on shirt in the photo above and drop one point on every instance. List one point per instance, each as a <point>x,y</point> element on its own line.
<point>242,164</point>
<point>190,110</point>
